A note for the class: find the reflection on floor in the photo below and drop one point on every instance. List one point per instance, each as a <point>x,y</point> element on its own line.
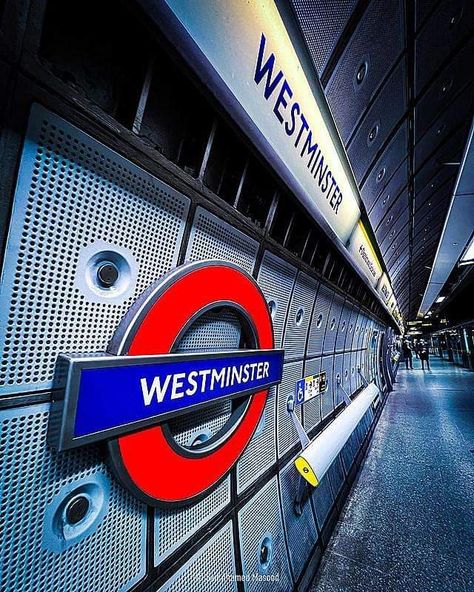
<point>408,524</point>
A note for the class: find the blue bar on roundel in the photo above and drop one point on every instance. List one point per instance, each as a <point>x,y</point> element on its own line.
<point>105,396</point>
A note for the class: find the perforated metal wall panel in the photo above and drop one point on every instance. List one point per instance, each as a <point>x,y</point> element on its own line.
<point>338,372</point>
<point>369,364</point>
<point>322,500</point>
<point>327,398</point>
<point>212,238</point>
<point>174,527</point>
<point>199,574</point>
<point>377,125</point>
<point>362,326</point>
<point>261,452</point>
<point>365,335</point>
<point>364,364</point>
<point>332,328</point>
<point>361,365</point>
<point>312,408</point>
<point>299,316</point>
<point>351,331</point>
<point>372,355</point>
<point>40,549</point>
<point>343,326</point>
<point>74,200</point>
<point>276,279</point>
<point>320,320</point>
<point>300,530</point>
<point>260,525</point>
<point>347,373</point>
<point>286,433</point>
<point>347,98</point>
<point>355,379</point>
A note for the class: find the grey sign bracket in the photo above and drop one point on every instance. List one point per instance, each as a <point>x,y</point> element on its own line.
<point>345,395</point>
<point>302,435</point>
<point>302,491</point>
<point>364,379</point>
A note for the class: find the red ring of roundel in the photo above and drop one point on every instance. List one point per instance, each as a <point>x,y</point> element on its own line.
<point>144,460</point>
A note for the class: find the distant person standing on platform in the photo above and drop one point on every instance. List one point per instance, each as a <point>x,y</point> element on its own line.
<point>425,357</point>
<point>407,354</point>
<point>418,348</point>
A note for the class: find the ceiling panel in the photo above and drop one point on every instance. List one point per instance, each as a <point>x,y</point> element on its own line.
<point>444,31</point>
<point>388,209</point>
<point>404,154</point>
<point>451,80</point>
<point>387,109</point>
<point>331,17</point>
<point>349,92</point>
<point>451,119</point>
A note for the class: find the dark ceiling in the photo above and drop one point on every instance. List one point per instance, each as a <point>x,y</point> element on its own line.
<point>398,76</point>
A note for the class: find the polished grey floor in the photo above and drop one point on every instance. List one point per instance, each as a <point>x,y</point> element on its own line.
<point>408,524</point>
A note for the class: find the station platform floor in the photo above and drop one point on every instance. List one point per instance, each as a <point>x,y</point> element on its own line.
<point>408,523</point>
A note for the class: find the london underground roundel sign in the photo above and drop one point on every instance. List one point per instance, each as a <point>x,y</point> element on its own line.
<point>128,395</point>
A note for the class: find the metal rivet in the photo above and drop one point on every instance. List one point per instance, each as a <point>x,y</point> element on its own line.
<point>77,509</point>
<point>446,86</point>
<point>107,274</point>
<point>373,133</point>
<point>299,316</point>
<point>454,20</point>
<point>361,72</point>
<point>272,308</point>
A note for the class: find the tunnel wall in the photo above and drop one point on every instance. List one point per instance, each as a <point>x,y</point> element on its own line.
<point>74,182</point>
